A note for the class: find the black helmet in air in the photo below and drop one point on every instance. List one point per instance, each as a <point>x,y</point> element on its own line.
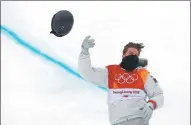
<point>62,23</point>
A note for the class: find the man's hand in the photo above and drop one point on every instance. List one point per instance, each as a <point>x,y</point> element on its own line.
<point>147,109</point>
<point>87,43</point>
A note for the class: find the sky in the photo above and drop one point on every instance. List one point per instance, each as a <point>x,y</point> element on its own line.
<point>37,91</point>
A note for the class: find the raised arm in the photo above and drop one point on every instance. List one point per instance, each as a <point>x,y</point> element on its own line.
<point>98,76</point>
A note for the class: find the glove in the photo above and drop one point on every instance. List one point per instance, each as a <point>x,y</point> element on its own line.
<point>147,109</point>
<point>87,43</point>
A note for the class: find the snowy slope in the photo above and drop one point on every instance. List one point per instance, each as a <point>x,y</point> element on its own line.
<point>37,91</point>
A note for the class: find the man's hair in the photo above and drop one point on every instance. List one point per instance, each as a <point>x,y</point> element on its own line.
<point>138,46</point>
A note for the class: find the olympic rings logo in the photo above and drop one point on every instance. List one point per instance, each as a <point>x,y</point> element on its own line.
<point>126,78</point>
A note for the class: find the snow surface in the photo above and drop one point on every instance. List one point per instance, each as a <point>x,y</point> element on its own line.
<point>37,91</point>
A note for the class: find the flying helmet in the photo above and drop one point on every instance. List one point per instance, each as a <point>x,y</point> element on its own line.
<point>62,23</point>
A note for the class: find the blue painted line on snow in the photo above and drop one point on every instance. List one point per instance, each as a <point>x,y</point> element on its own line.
<point>34,50</point>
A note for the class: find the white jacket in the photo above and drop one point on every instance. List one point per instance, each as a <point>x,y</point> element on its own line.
<point>120,110</point>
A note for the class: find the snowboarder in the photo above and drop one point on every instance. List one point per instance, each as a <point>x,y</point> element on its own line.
<point>129,85</point>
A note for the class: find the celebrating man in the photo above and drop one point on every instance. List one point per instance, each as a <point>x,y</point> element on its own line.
<point>128,83</point>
